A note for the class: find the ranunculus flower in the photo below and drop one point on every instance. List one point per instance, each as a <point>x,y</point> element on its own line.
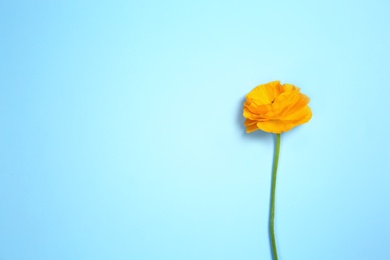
<point>275,108</point>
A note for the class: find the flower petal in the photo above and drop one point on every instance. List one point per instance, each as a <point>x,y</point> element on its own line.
<point>251,128</point>
<point>266,93</point>
<point>300,116</point>
<point>275,126</point>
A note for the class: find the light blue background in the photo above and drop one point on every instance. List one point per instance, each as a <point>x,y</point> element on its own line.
<point>121,132</point>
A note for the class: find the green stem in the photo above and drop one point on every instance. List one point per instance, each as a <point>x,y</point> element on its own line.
<point>273,188</point>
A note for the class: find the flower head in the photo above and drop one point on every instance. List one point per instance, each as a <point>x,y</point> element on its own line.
<point>275,108</point>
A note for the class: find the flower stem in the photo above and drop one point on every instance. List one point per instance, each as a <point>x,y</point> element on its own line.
<point>272,207</point>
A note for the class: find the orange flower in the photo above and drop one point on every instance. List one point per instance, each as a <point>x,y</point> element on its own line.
<point>275,108</point>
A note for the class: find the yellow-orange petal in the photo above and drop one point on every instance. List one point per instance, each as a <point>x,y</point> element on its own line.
<point>249,122</point>
<point>275,126</point>
<point>288,87</point>
<point>265,93</point>
<point>300,116</point>
<point>251,128</point>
